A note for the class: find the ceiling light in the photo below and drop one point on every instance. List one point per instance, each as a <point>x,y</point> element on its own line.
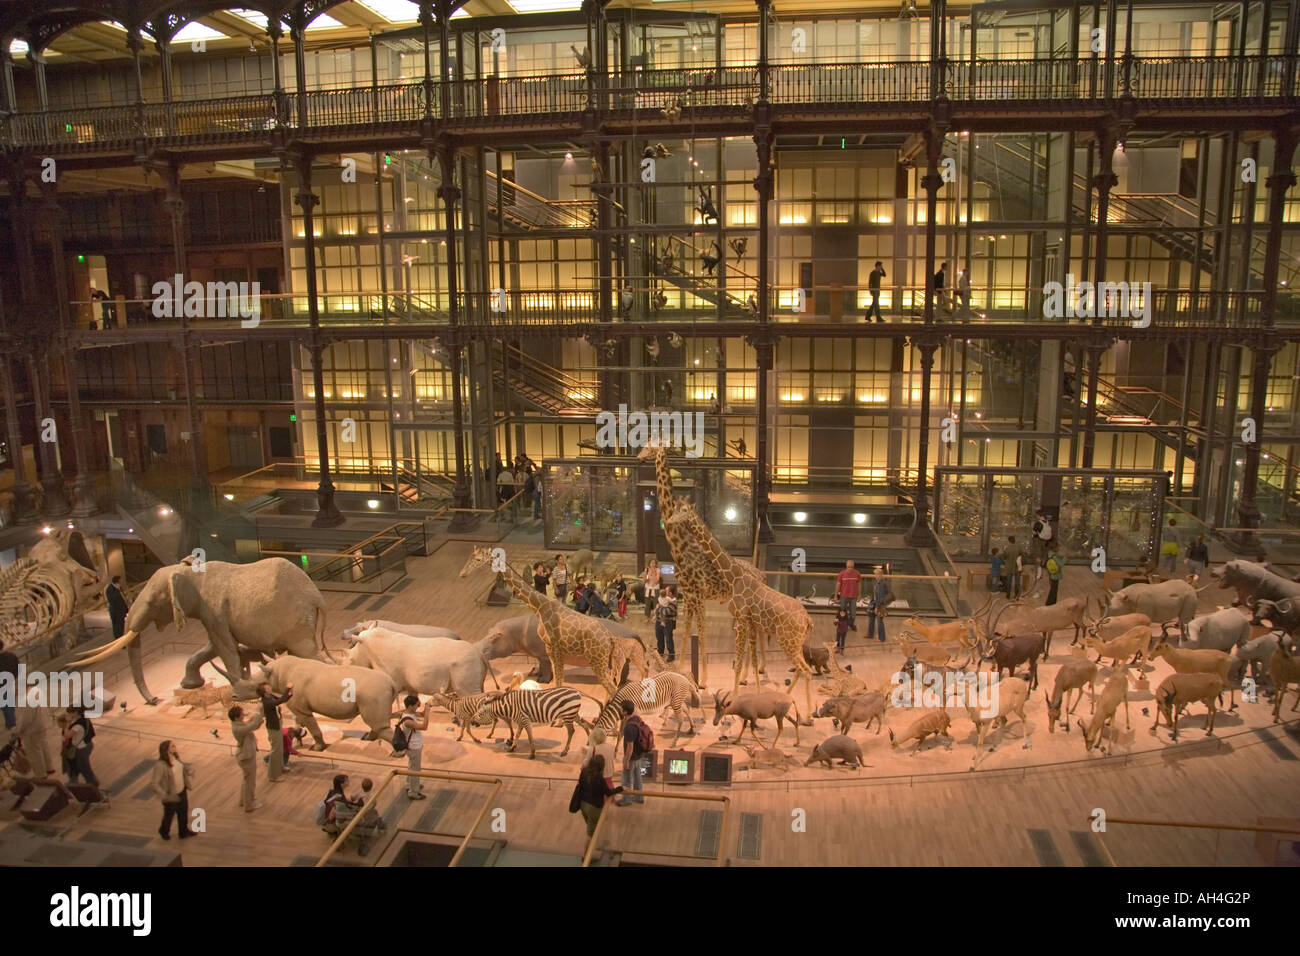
<point>800,516</point>
<point>372,504</point>
<point>228,496</point>
<point>729,514</point>
<point>18,47</point>
<point>394,11</point>
<point>859,519</point>
<point>197,31</point>
<point>544,6</point>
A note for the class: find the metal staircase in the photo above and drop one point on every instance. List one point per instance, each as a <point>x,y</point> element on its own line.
<point>702,286</point>
<point>543,386</point>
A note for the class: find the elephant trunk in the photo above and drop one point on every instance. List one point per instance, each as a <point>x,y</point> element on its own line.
<point>135,658</point>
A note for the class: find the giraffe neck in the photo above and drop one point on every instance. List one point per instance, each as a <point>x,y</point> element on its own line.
<point>530,596</point>
<point>664,483</point>
<point>717,554</point>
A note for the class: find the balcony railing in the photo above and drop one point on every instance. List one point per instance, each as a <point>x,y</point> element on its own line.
<point>1175,81</point>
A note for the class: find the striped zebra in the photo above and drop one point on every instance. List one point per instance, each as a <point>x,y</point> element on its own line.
<point>464,710</point>
<point>653,694</point>
<point>552,706</point>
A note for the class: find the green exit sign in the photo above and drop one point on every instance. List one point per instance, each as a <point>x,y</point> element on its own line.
<point>303,558</point>
<point>81,258</point>
<point>293,417</point>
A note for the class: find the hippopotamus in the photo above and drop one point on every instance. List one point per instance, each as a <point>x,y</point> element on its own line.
<point>519,635</point>
<point>1254,582</point>
<point>844,749</point>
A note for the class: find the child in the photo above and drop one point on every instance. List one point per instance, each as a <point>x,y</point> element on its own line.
<point>620,591</point>
<point>841,628</point>
<point>996,563</point>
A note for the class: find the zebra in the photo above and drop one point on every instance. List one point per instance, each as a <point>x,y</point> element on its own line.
<point>552,706</point>
<point>464,710</point>
<point>667,689</point>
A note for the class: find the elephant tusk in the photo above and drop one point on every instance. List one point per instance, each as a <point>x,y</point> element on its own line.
<point>108,650</point>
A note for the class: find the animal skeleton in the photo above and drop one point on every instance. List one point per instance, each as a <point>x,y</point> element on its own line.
<point>45,590</point>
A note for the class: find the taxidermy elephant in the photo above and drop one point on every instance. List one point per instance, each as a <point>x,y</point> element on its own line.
<point>269,606</point>
<point>422,665</point>
<point>337,691</point>
<point>411,630</point>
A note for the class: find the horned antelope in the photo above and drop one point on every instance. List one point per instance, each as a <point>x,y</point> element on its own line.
<point>1133,643</point>
<point>1185,661</point>
<point>1113,693</point>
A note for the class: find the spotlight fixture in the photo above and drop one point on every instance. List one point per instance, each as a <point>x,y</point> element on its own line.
<point>729,514</point>
<point>372,504</point>
<point>800,517</point>
<point>859,519</point>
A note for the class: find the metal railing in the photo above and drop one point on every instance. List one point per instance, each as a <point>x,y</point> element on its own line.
<point>1218,829</point>
<point>541,97</point>
<point>372,565</point>
<point>607,812</point>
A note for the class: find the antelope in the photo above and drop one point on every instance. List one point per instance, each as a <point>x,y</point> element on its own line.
<point>1284,670</point>
<point>1178,690</point>
<point>1198,662</point>
<point>1074,675</point>
<point>1011,652</point>
<point>1012,694</point>
<point>1047,619</point>
<point>1113,693</point>
<point>936,723</point>
<point>1107,627</point>
<point>1133,643</point>
<point>930,655</point>
<point>751,708</point>
<point>962,631</point>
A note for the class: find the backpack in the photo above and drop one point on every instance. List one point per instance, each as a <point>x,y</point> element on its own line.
<point>321,815</point>
<point>401,737</point>
<point>88,728</point>
<point>1053,566</point>
<point>1038,527</point>
<point>644,735</point>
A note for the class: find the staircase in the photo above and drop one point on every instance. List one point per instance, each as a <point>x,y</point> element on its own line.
<point>543,386</point>
<point>522,210</point>
<point>703,285</point>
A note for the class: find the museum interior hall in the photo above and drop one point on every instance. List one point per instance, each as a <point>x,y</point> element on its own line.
<point>845,391</point>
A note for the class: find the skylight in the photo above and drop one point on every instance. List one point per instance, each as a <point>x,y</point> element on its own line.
<point>323,22</point>
<point>543,6</point>
<point>394,11</point>
<point>17,47</point>
<point>198,31</point>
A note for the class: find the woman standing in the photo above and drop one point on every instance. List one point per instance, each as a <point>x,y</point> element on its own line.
<point>540,577</point>
<point>665,621</point>
<point>78,733</point>
<point>651,578</point>
<point>172,779</point>
<point>560,578</point>
<point>592,791</point>
<point>598,745</point>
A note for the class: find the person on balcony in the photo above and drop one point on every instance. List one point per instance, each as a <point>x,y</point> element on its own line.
<point>505,485</point>
<point>963,292</point>
<point>940,281</point>
<point>873,286</point>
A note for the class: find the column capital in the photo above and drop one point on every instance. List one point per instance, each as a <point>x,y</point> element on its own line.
<point>1282,179</point>
<point>449,194</point>
<point>932,181</point>
<point>305,198</point>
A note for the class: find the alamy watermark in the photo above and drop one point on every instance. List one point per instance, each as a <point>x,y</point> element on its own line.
<point>58,689</point>
<point>931,688</point>
<point>636,429</point>
<point>1095,300</point>
<point>177,298</point>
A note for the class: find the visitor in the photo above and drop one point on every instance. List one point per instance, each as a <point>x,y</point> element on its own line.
<point>651,578</point>
<point>1042,534</point>
<point>592,791</point>
<point>540,577</point>
<point>1014,566</point>
<point>411,720</point>
<point>638,741</point>
<point>560,578</point>
<point>370,818</point>
<point>498,466</point>
<point>171,781</point>
<point>337,795</point>
<point>708,212</point>
<point>963,292</point>
<point>595,606</point>
<point>1067,385</point>
<point>1170,548</point>
<point>537,493</point>
<point>274,736</point>
<point>620,595</point>
<point>940,280</point>
<point>1198,556</point>
<point>505,485</point>
<point>580,595</point>
<point>117,606</point>
<point>530,488</point>
<point>881,598</point>
<point>246,755</point>
<point>598,745</point>
<point>997,564</point>
<point>78,732</point>
<point>9,665</point>
<point>290,737</point>
<point>873,286</point>
<point>1055,565</point>
<point>714,407</point>
<point>841,629</point>
<point>665,622</point>
<point>847,584</point>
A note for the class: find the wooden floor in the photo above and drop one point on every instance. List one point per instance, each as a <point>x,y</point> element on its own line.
<point>1022,807</point>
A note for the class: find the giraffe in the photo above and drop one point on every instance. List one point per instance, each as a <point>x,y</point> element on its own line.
<point>697,577</point>
<point>562,631</point>
<point>755,607</point>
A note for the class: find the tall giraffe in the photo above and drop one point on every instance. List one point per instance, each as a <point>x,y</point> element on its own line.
<point>562,631</point>
<point>756,608</point>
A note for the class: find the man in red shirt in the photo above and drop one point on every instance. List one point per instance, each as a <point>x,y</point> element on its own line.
<point>846,589</point>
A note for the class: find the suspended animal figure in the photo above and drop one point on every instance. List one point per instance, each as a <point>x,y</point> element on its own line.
<point>739,246</point>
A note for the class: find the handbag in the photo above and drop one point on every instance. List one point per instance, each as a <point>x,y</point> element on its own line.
<point>575,801</point>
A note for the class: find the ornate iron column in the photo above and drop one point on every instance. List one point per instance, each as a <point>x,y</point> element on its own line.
<point>327,512</point>
<point>83,486</point>
<point>1280,180</point>
<point>932,182</point>
<point>920,535</point>
<point>449,193</point>
<point>761,337</point>
<point>24,494</point>
<point>1108,140</point>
